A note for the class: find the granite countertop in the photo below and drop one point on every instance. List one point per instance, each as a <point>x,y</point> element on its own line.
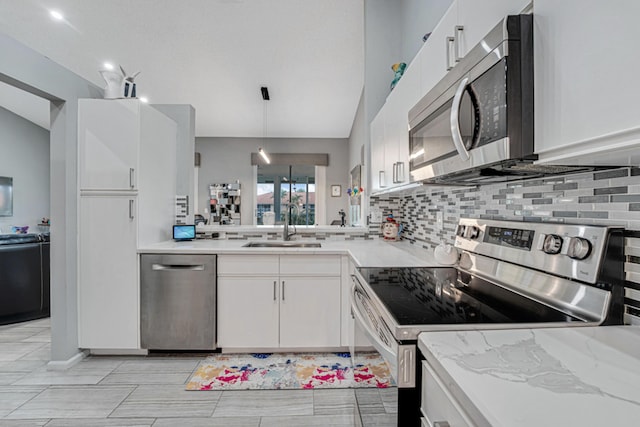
<point>365,253</point>
<point>583,376</point>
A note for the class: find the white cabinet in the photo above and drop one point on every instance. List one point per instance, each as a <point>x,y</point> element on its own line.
<point>108,153</point>
<point>378,174</point>
<point>435,56</point>
<point>299,307</point>
<point>438,405</point>
<point>310,312</point>
<point>390,133</point>
<point>586,108</point>
<point>108,295</point>
<point>248,311</point>
<point>127,176</point>
<point>462,27</point>
<point>477,18</point>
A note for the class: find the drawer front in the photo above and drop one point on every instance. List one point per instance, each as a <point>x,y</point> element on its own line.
<point>310,265</point>
<point>247,265</point>
<point>438,405</point>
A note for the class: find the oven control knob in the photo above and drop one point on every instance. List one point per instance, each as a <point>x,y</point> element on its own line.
<point>471,232</point>
<point>552,244</point>
<point>460,230</point>
<point>579,248</point>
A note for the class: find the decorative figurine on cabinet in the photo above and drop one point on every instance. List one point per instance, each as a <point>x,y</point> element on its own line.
<point>391,229</point>
<point>398,69</point>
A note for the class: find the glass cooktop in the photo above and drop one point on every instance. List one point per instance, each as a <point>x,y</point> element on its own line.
<point>441,296</point>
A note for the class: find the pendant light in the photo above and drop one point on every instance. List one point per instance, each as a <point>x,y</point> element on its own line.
<point>265,97</point>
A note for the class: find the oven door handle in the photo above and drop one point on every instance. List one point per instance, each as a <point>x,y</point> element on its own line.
<point>455,121</point>
<point>378,344</point>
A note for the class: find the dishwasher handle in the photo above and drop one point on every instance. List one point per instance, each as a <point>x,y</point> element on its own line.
<point>177,267</point>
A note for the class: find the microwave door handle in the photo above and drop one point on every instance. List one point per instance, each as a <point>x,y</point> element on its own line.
<point>455,121</point>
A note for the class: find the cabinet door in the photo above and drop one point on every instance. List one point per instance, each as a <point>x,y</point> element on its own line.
<point>479,17</point>
<point>108,299</point>
<point>248,312</point>
<point>310,312</point>
<point>379,176</point>
<point>433,54</point>
<point>108,143</point>
<point>585,73</point>
<point>438,404</point>
<point>396,125</point>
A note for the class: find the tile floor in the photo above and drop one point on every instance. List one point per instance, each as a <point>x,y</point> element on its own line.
<point>149,391</point>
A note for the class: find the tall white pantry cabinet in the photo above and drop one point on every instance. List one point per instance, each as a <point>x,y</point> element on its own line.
<point>127,174</point>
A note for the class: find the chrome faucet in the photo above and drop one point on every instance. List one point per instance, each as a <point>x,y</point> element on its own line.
<point>285,231</point>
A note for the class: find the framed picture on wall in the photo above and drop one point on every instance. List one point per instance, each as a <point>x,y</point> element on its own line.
<point>336,191</point>
<point>6,196</point>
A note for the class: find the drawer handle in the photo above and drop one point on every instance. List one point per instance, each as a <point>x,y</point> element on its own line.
<point>164,267</point>
<point>275,284</point>
<point>283,290</point>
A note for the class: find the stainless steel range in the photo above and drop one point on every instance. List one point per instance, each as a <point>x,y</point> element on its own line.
<point>509,275</point>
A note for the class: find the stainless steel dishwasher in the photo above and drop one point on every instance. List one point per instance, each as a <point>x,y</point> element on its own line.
<point>178,302</point>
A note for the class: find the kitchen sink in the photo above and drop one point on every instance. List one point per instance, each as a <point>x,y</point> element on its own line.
<point>281,245</point>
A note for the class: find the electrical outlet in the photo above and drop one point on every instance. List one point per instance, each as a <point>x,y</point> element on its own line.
<point>440,220</point>
<point>376,215</point>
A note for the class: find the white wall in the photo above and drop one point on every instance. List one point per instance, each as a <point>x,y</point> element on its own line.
<point>229,159</point>
<point>26,69</point>
<point>24,156</point>
<point>185,118</point>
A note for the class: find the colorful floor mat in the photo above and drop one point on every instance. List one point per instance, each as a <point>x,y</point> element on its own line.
<point>279,371</point>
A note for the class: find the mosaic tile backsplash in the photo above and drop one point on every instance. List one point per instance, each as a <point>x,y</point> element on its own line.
<point>609,197</point>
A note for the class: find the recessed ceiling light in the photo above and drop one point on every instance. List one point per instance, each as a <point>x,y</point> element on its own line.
<point>56,15</point>
<point>108,66</point>
<point>144,99</point>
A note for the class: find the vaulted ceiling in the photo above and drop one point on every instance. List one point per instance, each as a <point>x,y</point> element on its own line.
<point>214,55</point>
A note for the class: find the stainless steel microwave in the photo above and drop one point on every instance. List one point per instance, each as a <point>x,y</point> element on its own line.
<point>476,125</point>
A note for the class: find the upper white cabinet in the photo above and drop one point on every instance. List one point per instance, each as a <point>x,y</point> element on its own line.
<point>390,133</point>
<point>586,107</point>
<point>378,173</point>
<point>116,138</point>
<point>462,27</point>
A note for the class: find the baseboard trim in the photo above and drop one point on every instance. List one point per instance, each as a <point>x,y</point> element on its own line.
<point>63,365</point>
<point>118,352</point>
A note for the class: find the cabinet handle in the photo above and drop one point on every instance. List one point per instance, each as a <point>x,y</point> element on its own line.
<point>283,290</point>
<point>450,43</point>
<point>458,48</point>
<point>381,179</point>
<point>131,209</point>
<point>275,284</point>
<point>131,176</point>
<point>440,424</point>
<point>400,172</point>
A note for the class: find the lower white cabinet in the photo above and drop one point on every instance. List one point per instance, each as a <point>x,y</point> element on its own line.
<point>108,296</point>
<point>248,312</point>
<point>298,308</point>
<point>438,406</point>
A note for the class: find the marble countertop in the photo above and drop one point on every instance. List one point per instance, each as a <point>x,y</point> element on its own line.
<point>583,376</point>
<point>365,253</point>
